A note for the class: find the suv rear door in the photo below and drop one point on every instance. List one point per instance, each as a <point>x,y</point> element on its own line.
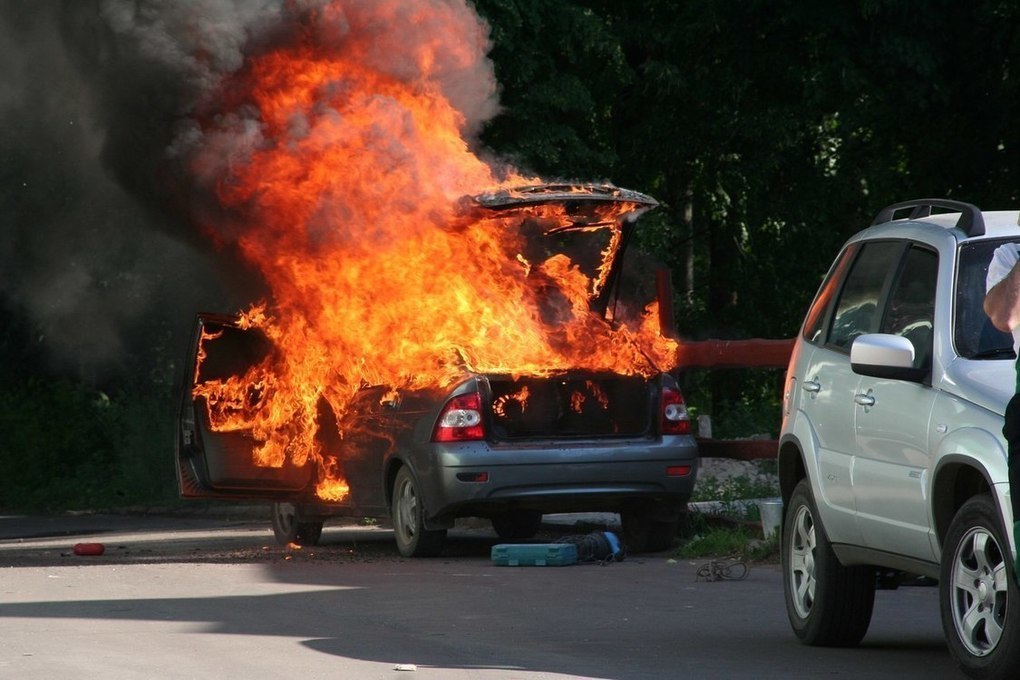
<point>829,383</point>
<point>892,419</point>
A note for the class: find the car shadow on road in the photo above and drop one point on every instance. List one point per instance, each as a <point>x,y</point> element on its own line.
<point>626,621</point>
<point>353,596</point>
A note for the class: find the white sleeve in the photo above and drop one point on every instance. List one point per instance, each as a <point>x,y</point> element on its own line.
<point>1003,259</point>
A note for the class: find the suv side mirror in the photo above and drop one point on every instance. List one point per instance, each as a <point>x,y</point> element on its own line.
<point>882,355</point>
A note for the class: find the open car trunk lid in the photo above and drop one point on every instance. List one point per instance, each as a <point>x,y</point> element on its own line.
<point>594,222</point>
<point>584,203</point>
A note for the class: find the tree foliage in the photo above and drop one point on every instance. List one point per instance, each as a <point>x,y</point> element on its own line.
<point>771,131</point>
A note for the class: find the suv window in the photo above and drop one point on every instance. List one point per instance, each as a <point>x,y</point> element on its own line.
<point>857,309</point>
<point>974,335</point>
<point>818,312</point>
<point>911,306</point>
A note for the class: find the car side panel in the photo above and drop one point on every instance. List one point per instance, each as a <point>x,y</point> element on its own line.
<point>831,411</point>
<point>829,470</point>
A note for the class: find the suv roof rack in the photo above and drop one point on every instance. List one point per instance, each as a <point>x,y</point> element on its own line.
<point>971,221</point>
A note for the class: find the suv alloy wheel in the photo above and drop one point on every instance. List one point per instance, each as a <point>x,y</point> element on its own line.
<point>828,604</point>
<point>977,587</point>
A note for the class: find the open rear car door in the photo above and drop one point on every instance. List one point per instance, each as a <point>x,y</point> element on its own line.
<point>221,464</point>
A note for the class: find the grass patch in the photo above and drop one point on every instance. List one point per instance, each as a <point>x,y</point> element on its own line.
<point>737,542</point>
<point>734,489</point>
<point>733,528</point>
<point>69,447</point>
<point>718,541</point>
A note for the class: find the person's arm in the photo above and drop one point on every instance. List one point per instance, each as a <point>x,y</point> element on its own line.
<point>1002,303</point>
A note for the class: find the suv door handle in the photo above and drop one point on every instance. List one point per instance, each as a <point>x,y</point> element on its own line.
<point>811,386</point>
<point>864,399</point>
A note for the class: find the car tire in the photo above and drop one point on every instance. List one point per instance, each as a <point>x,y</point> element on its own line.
<point>827,603</point>
<point>290,527</point>
<point>642,533</point>
<point>407,509</point>
<point>517,524</point>
<point>978,593</point>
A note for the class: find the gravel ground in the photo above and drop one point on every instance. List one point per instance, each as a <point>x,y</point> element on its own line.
<point>726,468</point>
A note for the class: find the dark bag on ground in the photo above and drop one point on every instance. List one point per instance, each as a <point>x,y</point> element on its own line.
<point>598,546</point>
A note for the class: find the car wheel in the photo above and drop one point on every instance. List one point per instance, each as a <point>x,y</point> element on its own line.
<point>978,594</point>
<point>641,533</point>
<point>827,604</point>
<point>517,524</point>
<point>289,527</point>
<point>413,539</point>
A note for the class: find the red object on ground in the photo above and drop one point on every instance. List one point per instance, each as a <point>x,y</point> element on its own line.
<point>90,549</point>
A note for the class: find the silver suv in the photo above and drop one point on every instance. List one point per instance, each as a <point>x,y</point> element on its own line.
<point>892,461</point>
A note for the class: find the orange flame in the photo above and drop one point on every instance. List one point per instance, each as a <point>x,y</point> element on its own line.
<point>520,398</point>
<point>349,190</point>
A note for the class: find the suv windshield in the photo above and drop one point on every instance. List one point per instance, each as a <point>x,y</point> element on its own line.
<point>974,335</point>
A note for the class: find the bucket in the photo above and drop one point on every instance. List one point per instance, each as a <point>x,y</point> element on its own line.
<point>771,511</point>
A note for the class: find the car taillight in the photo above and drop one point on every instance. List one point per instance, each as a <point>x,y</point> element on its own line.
<point>674,412</point>
<point>461,420</point>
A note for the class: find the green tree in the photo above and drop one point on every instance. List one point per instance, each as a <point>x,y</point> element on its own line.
<point>770,131</point>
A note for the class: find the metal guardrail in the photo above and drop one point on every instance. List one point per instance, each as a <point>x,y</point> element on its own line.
<point>738,449</point>
<point>754,353</point>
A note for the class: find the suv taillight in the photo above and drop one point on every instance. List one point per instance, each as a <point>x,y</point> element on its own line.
<point>461,420</point>
<point>674,412</point>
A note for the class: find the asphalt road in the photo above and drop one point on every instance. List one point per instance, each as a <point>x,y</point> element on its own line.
<point>176,597</point>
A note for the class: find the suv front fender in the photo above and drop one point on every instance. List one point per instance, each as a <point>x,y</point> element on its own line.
<point>968,461</point>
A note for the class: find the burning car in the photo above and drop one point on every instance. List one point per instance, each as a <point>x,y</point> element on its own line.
<point>461,436</point>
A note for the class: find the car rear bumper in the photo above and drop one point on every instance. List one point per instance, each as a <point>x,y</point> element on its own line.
<point>481,479</point>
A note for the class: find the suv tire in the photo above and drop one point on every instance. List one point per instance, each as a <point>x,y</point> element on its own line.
<point>978,593</point>
<point>828,604</point>
<point>407,511</point>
